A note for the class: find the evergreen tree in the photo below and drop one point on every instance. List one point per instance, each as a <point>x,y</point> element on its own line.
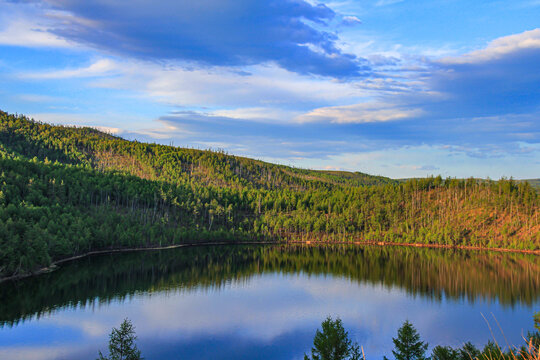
<point>444,353</point>
<point>333,343</point>
<point>122,343</point>
<point>469,352</point>
<point>492,351</point>
<point>408,345</point>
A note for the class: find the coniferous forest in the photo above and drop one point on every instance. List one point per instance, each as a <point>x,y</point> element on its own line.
<point>66,191</point>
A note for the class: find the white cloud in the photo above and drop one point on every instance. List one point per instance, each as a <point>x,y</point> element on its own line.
<point>25,33</point>
<point>499,47</point>
<point>26,24</point>
<point>102,67</point>
<point>35,353</point>
<point>360,113</point>
<point>164,132</point>
<point>351,20</point>
<point>268,86</point>
<point>268,91</point>
<point>193,311</point>
<point>256,113</point>
<point>109,130</point>
<point>108,122</point>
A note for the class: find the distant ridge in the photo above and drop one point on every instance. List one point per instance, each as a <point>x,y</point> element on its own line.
<point>533,182</point>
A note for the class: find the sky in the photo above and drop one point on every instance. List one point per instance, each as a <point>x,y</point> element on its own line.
<point>398,88</point>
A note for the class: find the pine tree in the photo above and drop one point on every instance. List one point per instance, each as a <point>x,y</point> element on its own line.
<point>444,353</point>
<point>122,343</point>
<point>469,352</point>
<point>408,345</point>
<point>333,343</point>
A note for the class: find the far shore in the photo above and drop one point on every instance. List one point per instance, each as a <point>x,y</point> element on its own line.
<point>55,264</point>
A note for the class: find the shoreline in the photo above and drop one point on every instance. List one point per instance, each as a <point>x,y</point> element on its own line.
<point>55,264</point>
<point>440,246</point>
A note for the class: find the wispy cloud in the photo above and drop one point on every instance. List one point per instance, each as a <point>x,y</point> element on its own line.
<point>266,87</point>
<point>103,67</point>
<point>257,114</point>
<point>350,20</point>
<point>499,48</point>
<point>27,25</point>
<point>26,33</point>
<point>360,113</point>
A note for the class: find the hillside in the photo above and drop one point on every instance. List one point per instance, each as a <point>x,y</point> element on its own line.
<point>87,146</point>
<point>66,191</point>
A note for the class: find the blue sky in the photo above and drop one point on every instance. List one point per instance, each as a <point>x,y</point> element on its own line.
<point>389,87</point>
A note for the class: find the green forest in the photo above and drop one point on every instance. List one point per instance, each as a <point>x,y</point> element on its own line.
<point>66,191</point>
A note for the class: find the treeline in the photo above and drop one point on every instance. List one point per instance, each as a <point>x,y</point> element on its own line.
<point>333,343</point>
<point>66,191</point>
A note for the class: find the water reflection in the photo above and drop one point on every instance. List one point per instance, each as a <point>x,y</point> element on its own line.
<point>240,301</point>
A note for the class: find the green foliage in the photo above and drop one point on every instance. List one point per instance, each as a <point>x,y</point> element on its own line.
<point>444,353</point>
<point>333,343</point>
<point>532,339</point>
<point>68,191</point>
<point>469,352</point>
<point>492,351</point>
<point>122,343</point>
<point>407,345</point>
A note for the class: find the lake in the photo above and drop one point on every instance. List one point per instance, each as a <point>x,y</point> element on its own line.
<point>266,302</point>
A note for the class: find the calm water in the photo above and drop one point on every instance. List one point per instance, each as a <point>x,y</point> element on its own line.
<point>241,302</point>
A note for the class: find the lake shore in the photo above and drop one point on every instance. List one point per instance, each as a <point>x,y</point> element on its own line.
<point>54,265</point>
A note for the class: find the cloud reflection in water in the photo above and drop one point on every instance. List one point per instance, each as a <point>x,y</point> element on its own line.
<point>273,313</point>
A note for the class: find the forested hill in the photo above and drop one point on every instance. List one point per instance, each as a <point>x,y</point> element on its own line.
<point>87,146</point>
<point>68,191</point>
